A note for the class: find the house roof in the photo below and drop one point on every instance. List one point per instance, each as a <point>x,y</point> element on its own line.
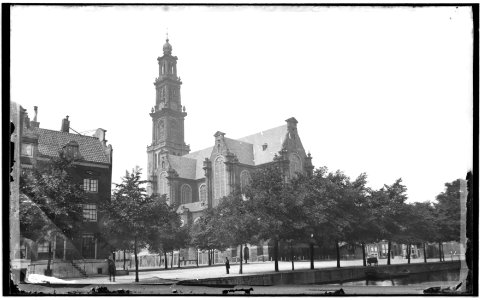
<point>51,142</point>
<point>273,138</point>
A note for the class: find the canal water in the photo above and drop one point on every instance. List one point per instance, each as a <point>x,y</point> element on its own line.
<point>440,277</point>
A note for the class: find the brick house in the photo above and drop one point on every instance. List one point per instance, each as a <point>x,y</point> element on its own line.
<point>92,169</point>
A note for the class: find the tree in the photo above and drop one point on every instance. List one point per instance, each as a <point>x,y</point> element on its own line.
<point>272,204</point>
<point>170,235</point>
<point>363,221</point>
<point>447,210</point>
<point>53,203</point>
<point>206,233</point>
<point>132,216</point>
<point>388,205</point>
<point>238,222</point>
<point>329,207</point>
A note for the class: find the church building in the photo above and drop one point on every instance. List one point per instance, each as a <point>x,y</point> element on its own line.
<point>194,181</point>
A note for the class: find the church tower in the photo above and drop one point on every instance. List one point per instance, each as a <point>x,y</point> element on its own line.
<point>168,114</point>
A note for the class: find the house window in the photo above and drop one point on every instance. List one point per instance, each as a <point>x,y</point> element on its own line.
<point>43,247</point>
<point>90,212</point>
<point>27,150</point>
<point>91,185</point>
<point>203,197</point>
<point>186,194</point>
<point>219,178</point>
<point>245,179</point>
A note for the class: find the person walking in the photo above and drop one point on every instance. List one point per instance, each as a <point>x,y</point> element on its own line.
<point>111,269</point>
<point>227,265</point>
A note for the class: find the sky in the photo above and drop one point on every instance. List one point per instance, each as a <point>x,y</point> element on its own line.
<point>381,90</point>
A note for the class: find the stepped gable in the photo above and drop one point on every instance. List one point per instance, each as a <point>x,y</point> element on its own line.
<point>199,157</point>
<point>184,166</point>
<point>243,150</point>
<point>273,139</point>
<point>51,142</point>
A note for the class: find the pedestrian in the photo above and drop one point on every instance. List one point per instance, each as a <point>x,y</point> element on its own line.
<point>111,269</point>
<point>227,265</point>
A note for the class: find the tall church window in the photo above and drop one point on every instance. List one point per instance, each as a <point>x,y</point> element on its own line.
<point>163,186</point>
<point>203,197</point>
<point>245,180</point>
<point>186,194</point>
<point>219,178</point>
<point>295,164</point>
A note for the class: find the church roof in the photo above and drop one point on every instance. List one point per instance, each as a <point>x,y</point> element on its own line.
<point>243,150</point>
<point>50,142</point>
<point>273,139</point>
<point>249,150</point>
<point>184,166</point>
<point>199,157</point>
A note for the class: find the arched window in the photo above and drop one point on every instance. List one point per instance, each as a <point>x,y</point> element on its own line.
<point>163,186</point>
<point>219,178</point>
<point>203,196</point>
<point>245,180</point>
<point>295,164</point>
<point>186,194</point>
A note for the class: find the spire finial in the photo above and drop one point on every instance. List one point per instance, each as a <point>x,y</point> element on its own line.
<point>167,34</point>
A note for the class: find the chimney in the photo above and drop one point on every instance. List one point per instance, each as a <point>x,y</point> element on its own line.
<point>291,122</point>
<point>100,134</point>
<point>34,123</point>
<point>65,125</point>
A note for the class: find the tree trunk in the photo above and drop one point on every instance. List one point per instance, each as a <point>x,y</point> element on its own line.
<point>241,259</point>
<point>409,252</point>
<point>179,258</point>
<point>364,255</point>
<point>276,255</point>
<point>292,257</point>
<point>165,260</point>
<point>312,256</point>
<point>49,258</point>
<point>443,252</point>
<point>337,254</point>
<point>136,260</point>
<point>424,253</point>
<point>389,252</point>
<point>124,259</point>
<point>172,258</point>
<point>440,250</point>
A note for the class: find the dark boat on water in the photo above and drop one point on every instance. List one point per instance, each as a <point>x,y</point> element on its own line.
<point>378,274</point>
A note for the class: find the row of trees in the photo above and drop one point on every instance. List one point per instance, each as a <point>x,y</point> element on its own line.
<point>321,208</point>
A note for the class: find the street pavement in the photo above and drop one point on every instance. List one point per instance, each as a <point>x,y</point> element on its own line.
<point>163,282</point>
<point>162,276</point>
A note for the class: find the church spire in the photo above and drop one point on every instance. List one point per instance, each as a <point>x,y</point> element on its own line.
<point>168,113</point>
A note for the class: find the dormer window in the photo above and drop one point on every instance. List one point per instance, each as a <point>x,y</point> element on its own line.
<point>265,146</point>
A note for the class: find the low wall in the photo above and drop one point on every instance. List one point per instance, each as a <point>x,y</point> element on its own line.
<point>64,269</point>
<point>318,276</point>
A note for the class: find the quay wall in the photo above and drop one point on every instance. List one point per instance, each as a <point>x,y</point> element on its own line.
<point>328,275</point>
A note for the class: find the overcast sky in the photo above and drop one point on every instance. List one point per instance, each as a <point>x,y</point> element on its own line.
<point>386,91</point>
